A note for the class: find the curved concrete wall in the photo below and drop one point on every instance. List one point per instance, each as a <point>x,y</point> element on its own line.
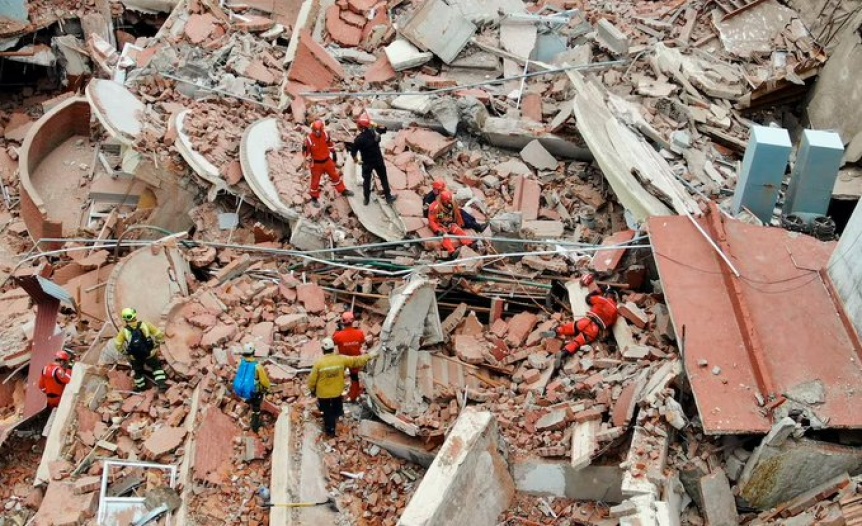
<point>71,117</point>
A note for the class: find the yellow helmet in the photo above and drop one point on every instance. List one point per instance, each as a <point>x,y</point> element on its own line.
<point>129,314</point>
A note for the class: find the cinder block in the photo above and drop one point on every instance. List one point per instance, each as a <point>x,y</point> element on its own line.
<point>817,162</point>
<point>763,169</point>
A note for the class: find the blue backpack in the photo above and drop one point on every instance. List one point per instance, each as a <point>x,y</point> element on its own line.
<point>245,383</point>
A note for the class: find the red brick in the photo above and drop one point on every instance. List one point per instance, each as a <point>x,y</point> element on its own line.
<point>362,6</point>
<point>609,260</point>
<point>312,297</point>
<point>214,447</point>
<point>313,65</point>
<point>164,440</point>
<point>526,200</point>
<point>354,19</point>
<point>520,326</point>
<point>428,142</point>
<point>531,107</point>
<point>469,349</point>
<point>531,375</point>
<point>199,27</point>
<point>380,19</point>
<point>341,32</point>
<point>634,314</point>
<point>379,72</point>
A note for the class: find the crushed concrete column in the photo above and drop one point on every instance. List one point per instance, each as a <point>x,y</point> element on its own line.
<point>468,482</point>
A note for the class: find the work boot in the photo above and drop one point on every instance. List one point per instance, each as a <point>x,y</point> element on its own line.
<point>391,198</point>
<point>315,202</point>
<point>255,422</point>
<point>366,201</point>
<point>347,193</point>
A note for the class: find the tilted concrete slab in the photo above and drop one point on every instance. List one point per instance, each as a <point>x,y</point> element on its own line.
<point>200,164</point>
<point>397,443</point>
<point>258,139</point>
<point>117,109</point>
<point>514,134</point>
<point>147,280</point>
<point>379,217</point>
<point>439,28</point>
<point>468,482</point>
<point>557,478</point>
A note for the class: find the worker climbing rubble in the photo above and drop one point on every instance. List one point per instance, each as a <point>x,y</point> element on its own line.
<point>367,145</point>
<point>320,153</point>
<point>445,219</point>
<point>601,317</point>
<point>326,382</point>
<point>349,339</point>
<point>437,188</point>
<point>139,341</point>
<point>55,377</point>
<point>251,383</point>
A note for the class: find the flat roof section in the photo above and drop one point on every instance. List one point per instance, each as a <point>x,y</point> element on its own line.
<point>773,330</point>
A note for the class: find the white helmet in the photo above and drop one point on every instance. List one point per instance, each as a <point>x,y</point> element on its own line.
<point>247,349</point>
<point>328,345</point>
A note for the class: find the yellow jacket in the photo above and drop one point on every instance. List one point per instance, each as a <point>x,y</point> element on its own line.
<point>327,375</point>
<point>149,330</point>
<point>262,378</point>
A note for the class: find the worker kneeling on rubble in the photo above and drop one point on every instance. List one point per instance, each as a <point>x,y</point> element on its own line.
<point>320,152</point>
<point>139,341</point>
<point>602,316</point>
<point>439,187</point>
<point>326,382</point>
<point>55,377</point>
<point>251,383</point>
<point>445,219</point>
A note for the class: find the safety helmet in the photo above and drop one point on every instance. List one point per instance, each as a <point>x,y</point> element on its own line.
<point>439,185</point>
<point>446,197</point>
<point>317,126</point>
<point>247,349</point>
<point>62,356</point>
<point>348,318</point>
<point>328,345</point>
<point>364,121</point>
<point>129,314</point>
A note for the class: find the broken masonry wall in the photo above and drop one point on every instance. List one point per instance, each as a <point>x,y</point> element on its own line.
<point>469,480</point>
<point>846,272</point>
<point>836,100</point>
<point>71,117</point>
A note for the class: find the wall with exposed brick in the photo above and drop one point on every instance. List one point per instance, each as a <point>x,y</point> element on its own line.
<point>71,117</point>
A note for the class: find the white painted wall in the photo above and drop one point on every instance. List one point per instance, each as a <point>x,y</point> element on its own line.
<point>845,269</point>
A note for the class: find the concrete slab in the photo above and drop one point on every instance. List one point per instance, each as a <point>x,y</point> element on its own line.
<point>117,109</point>
<point>379,217</point>
<point>404,55</point>
<point>397,443</point>
<point>514,134</point>
<point>439,28</point>
<point>559,479</point>
<point>258,139</point>
<point>450,492</point>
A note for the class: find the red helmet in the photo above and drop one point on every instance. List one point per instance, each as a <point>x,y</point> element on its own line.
<point>364,121</point>
<point>317,126</point>
<point>62,356</point>
<point>439,185</point>
<point>348,318</point>
<point>446,197</point>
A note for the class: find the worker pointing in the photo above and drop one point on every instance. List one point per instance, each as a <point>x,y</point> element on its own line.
<point>601,317</point>
<point>326,382</point>
<point>367,145</point>
<point>139,341</point>
<point>55,377</point>
<point>320,152</point>
<point>349,340</point>
<point>444,217</point>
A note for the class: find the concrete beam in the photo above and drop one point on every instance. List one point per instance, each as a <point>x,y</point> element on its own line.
<point>397,443</point>
<point>468,482</point>
<point>557,478</point>
<point>281,468</point>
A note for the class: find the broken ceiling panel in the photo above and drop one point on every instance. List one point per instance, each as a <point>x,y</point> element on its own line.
<point>754,30</point>
<point>439,28</point>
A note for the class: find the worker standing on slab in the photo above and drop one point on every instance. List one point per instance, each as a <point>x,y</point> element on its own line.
<point>139,341</point>
<point>445,219</point>
<point>55,377</point>
<point>251,383</point>
<point>602,316</point>
<point>367,145</point>
<point>326,382</point>
<point>320,153</point>
<point>437,188</point>
<point>349,339</point>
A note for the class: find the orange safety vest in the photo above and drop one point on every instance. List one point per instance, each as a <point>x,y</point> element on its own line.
<point>53,380</point>
<point>318,147</point>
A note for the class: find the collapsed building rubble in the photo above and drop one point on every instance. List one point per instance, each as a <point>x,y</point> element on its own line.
<point>153,158</point>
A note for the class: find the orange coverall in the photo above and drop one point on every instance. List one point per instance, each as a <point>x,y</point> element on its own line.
<point>602,316</point>
<point>444,219</point>
<point>319,152</point>
<point>53,381</point>
<point>349,342</point>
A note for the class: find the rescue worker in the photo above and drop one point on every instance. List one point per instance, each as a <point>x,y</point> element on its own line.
<point>326,382</point>
<point>436,188</point>
<point>55,377</point>
<point>260,387</point>
<point>320,153</point>
<point>367,145</point>
<point>444,217</point>
<point>349,339</point>
<point>602,316</point>
<point>139,341</point>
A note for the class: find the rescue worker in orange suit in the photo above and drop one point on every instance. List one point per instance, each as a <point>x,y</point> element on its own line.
<point>602,316</point>
<point>444,217</point>
<point>440,186</point>
<point>320,152</point>
<point>367,145</point>
<point>349,340</point>
<point>55,377</point>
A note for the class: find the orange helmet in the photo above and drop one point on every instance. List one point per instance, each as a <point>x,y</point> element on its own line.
<point>348,318</point>
<point>62,356</point>
<point>364,121</point>
<point>446,197</point>
<point>439,185</point>
<point>317,126</point>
